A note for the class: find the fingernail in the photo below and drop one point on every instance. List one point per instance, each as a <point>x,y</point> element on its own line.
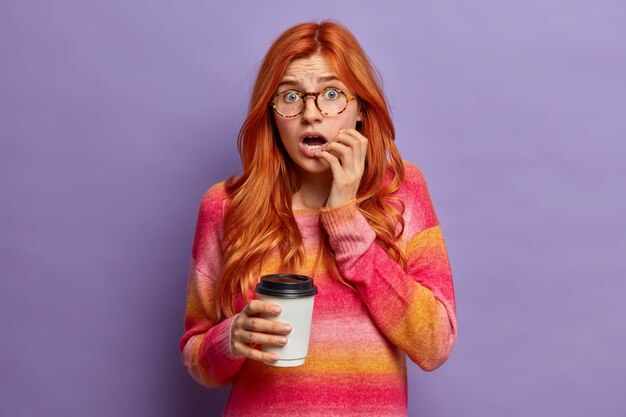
<point>282,340</point>
<point>276,309</point>
<point>274,357</point>
<point>287,328</point>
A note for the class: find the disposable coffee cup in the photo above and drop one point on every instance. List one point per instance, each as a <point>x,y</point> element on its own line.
<point>295,294</point>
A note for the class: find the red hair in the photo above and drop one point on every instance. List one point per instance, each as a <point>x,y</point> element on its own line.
<point>260,217</point>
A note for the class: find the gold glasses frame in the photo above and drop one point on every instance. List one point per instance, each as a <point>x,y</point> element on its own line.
<point>304,96</point>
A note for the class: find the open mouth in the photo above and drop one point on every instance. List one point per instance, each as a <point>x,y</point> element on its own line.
<point>314,142</point>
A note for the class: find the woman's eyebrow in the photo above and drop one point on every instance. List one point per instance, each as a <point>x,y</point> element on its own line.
<point>327,78</point>
<point>294,82</point>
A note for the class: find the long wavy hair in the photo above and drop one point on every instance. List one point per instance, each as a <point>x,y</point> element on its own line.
<point>259,218</point>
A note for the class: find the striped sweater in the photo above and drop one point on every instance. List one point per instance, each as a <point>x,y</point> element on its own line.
<point>359,340</point>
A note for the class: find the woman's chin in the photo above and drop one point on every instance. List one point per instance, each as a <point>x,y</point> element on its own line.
<point>314,167</point>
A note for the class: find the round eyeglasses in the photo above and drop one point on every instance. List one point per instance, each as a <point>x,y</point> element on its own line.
<point>330,102</point>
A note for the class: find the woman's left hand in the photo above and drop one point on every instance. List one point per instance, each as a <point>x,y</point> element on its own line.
<point>346,156</point>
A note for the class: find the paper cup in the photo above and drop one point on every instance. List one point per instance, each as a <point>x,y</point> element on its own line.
<point>295,294</point>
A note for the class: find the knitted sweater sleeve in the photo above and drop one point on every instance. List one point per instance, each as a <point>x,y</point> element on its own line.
<point>206,351</point>
<point>415,309</point>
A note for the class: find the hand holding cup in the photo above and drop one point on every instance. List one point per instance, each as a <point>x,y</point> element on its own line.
<point>249,328</point>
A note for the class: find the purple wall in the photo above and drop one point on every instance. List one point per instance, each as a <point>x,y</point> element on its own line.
<point>116,116</point>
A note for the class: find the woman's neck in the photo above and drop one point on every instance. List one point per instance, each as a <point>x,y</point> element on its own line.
<point>313,191</point>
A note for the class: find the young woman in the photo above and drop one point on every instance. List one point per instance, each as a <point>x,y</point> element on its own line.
<point>325,193</point>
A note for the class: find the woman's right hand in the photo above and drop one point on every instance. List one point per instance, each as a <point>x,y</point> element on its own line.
<point>248,328</point>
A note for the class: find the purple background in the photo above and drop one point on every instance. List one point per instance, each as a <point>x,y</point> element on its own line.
<point>116,116</point>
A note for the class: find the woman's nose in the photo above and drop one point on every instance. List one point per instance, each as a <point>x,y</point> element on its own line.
<point>311,113</point>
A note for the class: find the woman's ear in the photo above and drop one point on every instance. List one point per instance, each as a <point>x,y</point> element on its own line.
<point>359,119</point>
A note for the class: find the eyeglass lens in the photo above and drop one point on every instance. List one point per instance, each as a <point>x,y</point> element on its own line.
<point>330,101</point>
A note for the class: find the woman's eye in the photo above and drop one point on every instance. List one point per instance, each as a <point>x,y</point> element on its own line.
<point>291,97</point>
<point>331,94</point>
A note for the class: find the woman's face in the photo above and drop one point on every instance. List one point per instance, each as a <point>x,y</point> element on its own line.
<point>312,74</point>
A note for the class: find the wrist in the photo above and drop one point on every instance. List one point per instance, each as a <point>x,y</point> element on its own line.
<point>337,204</point>
<point>338,198</point>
